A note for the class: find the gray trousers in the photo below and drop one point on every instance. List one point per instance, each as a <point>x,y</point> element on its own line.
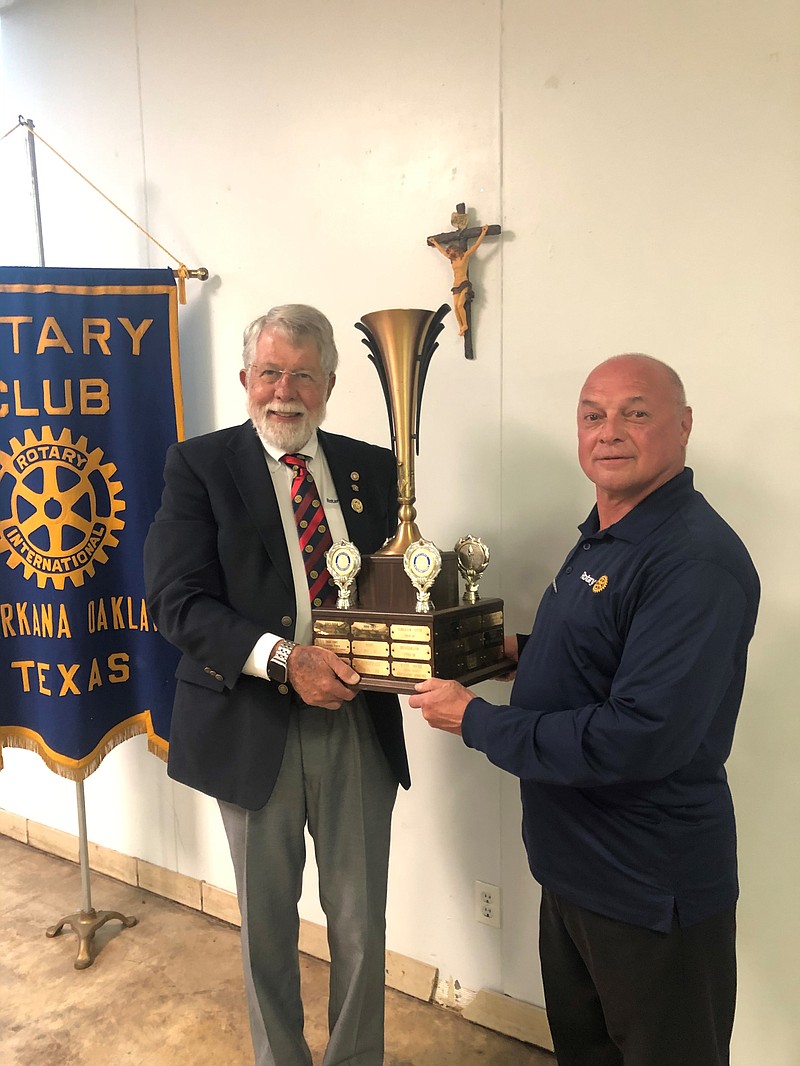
<point>335,778</point>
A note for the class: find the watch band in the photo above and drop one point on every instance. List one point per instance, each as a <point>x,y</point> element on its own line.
<point>276,666</point>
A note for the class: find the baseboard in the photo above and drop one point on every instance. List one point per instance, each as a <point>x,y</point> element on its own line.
<point>523,1021</point>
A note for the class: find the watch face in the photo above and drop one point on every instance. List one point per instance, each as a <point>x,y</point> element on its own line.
<point>276,671</point>
<point>276,667</point>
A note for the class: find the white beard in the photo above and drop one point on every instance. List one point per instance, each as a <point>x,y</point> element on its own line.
<point>290,437</point>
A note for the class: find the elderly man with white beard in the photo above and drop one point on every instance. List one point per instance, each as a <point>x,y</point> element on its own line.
<point>263,721</point>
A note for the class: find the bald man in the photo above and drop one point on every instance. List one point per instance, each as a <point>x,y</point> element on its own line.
<point>620,720</point>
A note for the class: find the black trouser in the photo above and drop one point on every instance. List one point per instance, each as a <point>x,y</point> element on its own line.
<point>622,995</point>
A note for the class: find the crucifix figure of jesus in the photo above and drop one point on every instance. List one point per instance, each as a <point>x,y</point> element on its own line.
<point>456,248</point>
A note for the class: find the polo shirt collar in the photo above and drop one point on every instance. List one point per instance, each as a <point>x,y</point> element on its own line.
<point>647,515</point>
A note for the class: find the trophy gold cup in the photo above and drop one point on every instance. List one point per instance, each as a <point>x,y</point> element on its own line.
<point>408,623</point>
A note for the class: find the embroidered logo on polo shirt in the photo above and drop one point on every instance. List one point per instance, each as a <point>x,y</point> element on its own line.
<point>597,583</point>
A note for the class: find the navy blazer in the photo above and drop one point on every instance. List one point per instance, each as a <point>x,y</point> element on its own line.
<point>218,576</point>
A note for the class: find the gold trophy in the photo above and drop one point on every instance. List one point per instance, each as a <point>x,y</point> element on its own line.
<point>473,558</point>
<point>408,623</point>
<point>343,560</point>
<point>422,562</point>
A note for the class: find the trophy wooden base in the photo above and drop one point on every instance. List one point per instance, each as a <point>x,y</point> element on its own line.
<point>393,646</point>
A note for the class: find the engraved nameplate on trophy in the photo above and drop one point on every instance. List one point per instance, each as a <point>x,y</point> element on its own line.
<point>408,622</point>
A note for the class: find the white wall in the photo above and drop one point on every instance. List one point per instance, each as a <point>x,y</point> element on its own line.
<point>643,160</point>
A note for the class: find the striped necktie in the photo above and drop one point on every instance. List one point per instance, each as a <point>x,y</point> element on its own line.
<point>312,530</point>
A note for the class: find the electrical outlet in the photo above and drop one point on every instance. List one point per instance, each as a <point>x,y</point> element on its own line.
<point>487,904</point>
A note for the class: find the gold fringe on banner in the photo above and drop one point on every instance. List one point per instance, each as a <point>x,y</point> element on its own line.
<point>156,745</point>
<point>182,272</point>
<point>80,769</point>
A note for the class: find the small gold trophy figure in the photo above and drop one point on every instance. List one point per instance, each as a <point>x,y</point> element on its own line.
<point>473,558</point>
<point>343,560</point>
<point>422,562</point>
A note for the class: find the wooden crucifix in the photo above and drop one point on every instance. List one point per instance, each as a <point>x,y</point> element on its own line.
<point>455,246</point>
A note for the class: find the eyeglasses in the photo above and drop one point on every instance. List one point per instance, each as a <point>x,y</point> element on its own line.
<point>300,378</point>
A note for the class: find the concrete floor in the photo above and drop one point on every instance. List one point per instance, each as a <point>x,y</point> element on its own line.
<point>168,992</point>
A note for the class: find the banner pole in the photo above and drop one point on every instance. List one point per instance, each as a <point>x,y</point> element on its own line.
<point>83,848</point>
<point>37,210</point>
<point>87,921</point>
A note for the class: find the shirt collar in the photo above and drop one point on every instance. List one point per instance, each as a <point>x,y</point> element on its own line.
<point>310,448</point>
<point>648,514</point>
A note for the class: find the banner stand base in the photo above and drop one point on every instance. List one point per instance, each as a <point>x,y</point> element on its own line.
<point>85,924</point>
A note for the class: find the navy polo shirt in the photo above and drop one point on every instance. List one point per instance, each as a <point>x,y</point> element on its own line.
<point>623,711</point>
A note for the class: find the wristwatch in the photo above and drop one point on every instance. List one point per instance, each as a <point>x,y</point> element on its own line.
<point>276,667</point>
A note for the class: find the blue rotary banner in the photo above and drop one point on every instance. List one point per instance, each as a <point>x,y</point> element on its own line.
<point>89,402</point>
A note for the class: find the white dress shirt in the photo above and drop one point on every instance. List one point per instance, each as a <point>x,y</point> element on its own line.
<point>281,475</point>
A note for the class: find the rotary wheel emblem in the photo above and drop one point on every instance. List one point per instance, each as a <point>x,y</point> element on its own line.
<point>63,508</point>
